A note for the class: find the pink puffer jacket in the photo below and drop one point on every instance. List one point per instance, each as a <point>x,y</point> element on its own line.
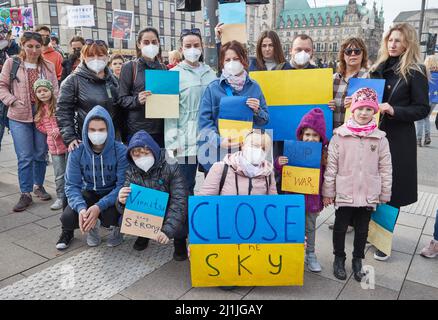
<point>48,126</point>
<point>359,170</point>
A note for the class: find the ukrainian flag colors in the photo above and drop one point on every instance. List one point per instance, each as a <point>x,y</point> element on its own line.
<point>164,101</point>
<point>382,226</point>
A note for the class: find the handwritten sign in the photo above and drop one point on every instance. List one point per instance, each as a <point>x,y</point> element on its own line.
<point>246,240</point>
<point>144,212</point>
<point>303,154</point>
<point>382,226</point>
<point>80,16</point>
<point>164,101</point>
<point>300,180</point>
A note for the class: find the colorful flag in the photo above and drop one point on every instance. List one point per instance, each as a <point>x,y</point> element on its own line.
<point>164,101</point>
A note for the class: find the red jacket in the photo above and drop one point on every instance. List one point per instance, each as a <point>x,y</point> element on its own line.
<point>56,58</point>
<point>48,126</point>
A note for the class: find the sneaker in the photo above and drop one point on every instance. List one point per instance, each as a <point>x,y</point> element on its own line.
<point>349,229</point>
<point>180,253</point>
<point>93,237</point>
<point>419,142</point>
<point>64,240</point>
<point>57,205</point>
<point>41,193</point>
<point>115,238</point>
<point>427,140</point>
<point>141,244</point>
<point>431,251</point>
<point>380,256</point>
<point>312,262</point>
<point>24,202</point>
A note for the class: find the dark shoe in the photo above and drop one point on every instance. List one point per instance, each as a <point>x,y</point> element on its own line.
<point>380,256</point>
<point>180,253</point>
<point>419,143</point>
<point>24,202</point>
<point>228,288</point>
<point>64,240</point>
<point>427,140</point>
<point>357,269</point>
<point>41,193</point>
<point>141,244</point>
<point>339,268</point>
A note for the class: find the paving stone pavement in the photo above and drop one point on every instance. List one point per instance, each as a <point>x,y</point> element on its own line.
<point>31,267</point>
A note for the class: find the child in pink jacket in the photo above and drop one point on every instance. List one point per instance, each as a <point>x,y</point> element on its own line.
<point>45,121</point>
<point>358,177</point>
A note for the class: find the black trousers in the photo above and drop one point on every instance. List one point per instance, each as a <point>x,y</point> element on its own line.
<point>108,217</point>
<point>360,219</point>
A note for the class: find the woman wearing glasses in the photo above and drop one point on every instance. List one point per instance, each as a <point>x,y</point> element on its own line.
<point>194,77</point>
<point>30,144</point>
<point>91,84</point>
<point>132,86</point>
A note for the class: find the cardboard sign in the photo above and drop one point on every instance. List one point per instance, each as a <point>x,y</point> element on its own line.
<point>300,180</point>
<point>303,154</point>
<point>122,24</point>
<point>80,16</point>
<point>233,16</point>
<point>234,130</point>
<point>235,118</point>
<point>164,101</point>
<point>290,94</point>
<point>17,20</point>
<point>433,88</point>
<point>144,212</point>
<point>246,240</point>
<point>382,226</point>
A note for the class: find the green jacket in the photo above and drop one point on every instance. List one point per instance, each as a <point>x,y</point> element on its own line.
<point>181,134</point>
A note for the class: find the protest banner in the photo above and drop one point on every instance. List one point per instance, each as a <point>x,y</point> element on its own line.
<point>290,94</point>
<point>246,240</point>
<point>164,101</point>
<point>300,180</point>
<point>80,16</point>
<point>144,212</point>
<point>381,228</point>
<point>17,20</point>
<point>303,154</point>
<point>355,84</point>
<point>235,118</point>
<point>233,16</point>
<point>122,24</point>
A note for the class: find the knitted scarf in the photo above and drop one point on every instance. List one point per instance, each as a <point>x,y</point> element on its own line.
<point>361,130</point>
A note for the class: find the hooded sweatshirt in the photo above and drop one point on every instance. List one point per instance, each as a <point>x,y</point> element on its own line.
<point>56,58</point>
<point>103,173</point>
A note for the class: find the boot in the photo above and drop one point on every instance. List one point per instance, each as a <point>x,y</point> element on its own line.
<point>180,253</point>
<point>357,269</point>
<point>419,142</point>
<point>339,268</point>
<point>427,140</point>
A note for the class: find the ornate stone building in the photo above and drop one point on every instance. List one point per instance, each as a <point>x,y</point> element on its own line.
<point>328,26</point>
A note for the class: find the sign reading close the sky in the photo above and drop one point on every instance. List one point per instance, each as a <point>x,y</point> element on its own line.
<point>164,101</point>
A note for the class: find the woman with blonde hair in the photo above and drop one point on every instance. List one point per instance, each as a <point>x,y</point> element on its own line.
<point>175,57</point>
<point>431,64</point>
<point>405,100</point>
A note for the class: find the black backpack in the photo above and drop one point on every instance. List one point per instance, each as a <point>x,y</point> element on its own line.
<point>12,76</point>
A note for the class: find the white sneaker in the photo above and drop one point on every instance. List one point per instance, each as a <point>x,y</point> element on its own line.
<point>312,262</point>
<point>57,205</point>
<point>93,237</point>
<point>115,238</point>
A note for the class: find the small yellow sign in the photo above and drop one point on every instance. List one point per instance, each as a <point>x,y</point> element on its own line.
<point>300,180</point>
<point>235,129</point>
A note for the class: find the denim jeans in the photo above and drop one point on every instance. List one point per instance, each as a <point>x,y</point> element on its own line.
<point>59,165</point>
<point>188,167</point>
<point>31,149</point>
<point>424,124</point>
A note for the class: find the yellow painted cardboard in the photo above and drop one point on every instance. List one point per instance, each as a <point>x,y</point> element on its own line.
<point>348,115</point>
<point>258,264</point>
<point>295,87</point>
<point>380,238</point>
<point>234,129</point>
<point>162,106</point>
<point>234,32</point>
<point>300,180</point>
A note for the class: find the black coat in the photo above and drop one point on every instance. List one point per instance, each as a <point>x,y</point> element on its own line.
<point>91,91</point>
<point>135,112</point>
<point>166,178</point>
<point>410,100</point>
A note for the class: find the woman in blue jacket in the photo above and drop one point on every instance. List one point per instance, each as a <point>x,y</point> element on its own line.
<point>234,81</point>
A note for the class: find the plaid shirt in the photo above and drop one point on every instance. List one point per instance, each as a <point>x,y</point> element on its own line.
<point>340,87</point>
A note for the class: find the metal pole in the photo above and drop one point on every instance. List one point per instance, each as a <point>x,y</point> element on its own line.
<point>420,30</point>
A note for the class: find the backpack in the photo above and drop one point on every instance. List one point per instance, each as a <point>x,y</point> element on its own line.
<point>224,176</point>
<point>12,76</point>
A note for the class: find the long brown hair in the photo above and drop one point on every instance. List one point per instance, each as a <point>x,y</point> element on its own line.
<point>239,49</point>
<point>22,54</point>
<point>40,107</point>
<point>355,43</point>
<point>278,50</point>
<point>140,36</point>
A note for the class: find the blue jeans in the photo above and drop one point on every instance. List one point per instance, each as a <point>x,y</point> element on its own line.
<point>424,124</point>
<point>31,149</point>
<point>188,167</point>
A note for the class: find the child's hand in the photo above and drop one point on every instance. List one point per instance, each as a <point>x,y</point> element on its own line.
<point>327,201</point>
<point>282,160</point>
<point>162,238</point>
<point>124,194</point>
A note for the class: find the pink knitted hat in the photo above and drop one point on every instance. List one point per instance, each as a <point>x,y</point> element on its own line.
<point>365,97</point>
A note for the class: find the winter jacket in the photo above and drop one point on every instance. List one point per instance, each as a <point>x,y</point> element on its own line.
<point>103,173</point>
<point>164,177</point>
<point>129,97</point>
<point>181,133</point>
<point>253,66</point>
<point>13,48</point>
<point>67,67</point>
<point>48,126</point>
<point>359,170</point>
<point>56,58</point>
<point>262,184</point>
<point>22,110</point>
<point>79,93</point>
<point>410,100</point>
<point>209,114</point>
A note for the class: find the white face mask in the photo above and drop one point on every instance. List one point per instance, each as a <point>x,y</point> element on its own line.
<point>233,67</point>
<point>3,44</point>
<point>301,58</point>
<point>96,65</point>
<point>192,54</point>
<point>145,163</point>
<point>97,138</point>
<point>254,155</point>
<point>150,51</point>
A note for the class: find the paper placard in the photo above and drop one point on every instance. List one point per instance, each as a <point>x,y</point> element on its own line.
<point>300,180</point>
<point>232,13</point>
<point>235,108</point>
<point>235,32</point>
<point>80,16</point>
<point>303,154</point>
<point>382,226</point>
<point>433,88</point>
<point>162,82</point>
<point>122,24</point>
<point>234,130</point>
<point>162,106</point>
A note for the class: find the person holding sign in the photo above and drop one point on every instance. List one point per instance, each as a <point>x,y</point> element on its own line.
<point>194,77</point>
<point>405,100</point>
<point>94,175</point>
<point>234,81</point>
<point>150,169</point>
<point>311,129</point>
<point>133,95</point>
<point>357,178</point>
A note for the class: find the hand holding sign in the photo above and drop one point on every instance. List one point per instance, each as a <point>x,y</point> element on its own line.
<point>142,96</point>
<point>124,194</point>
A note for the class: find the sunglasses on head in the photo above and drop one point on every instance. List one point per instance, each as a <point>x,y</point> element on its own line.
<point>350,51</point>
<point>32,35</point>
<point>89,42</point>
<point>186,32</point>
